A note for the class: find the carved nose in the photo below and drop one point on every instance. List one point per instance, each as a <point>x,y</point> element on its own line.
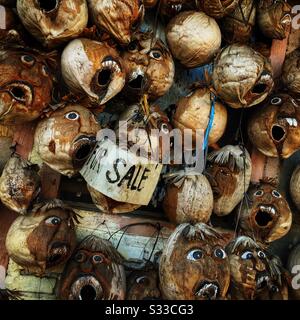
<point>86,266</point>
<point>259,265</point>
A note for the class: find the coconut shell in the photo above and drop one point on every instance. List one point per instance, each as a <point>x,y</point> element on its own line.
<point>193,111</point>
<point>294,260</point>
<point>191,202</point>
<point>217,8</point>
<point>295,186</point>
<point>191,47</point>
<point>291,72</point>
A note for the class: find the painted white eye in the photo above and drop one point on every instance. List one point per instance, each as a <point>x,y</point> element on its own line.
<point>276,100</point>
<point>28,60</point>
<point>258,193</point>
<point>54,221</point>
<point>220,253</point>
<point>164,128</point>
<point>80,257</point>
<point>247,255</point>
<point>276,194</point>
<point>155,54</point>
<point>97,258</point>
<point>195,255</point>
<point>261,254</point>
<point>72,116</point>
<point>45,71</point>
<point>141,279</point>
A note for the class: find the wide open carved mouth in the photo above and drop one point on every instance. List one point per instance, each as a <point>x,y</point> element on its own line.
<point>207,290</point>
<point>57,254</point>
<point>264,216</point>
<point>136,83</point>
<point>20,91</point>
<point>48,5</point>
<point>262,280</point>
<point>286,20</point>
<point>87,288</point>
<point>278,133</point>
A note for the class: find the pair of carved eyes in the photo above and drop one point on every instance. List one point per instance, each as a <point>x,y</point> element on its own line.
<point>29,61</point>
<point>247,255</point>
<point>260,193</point>
<point>277,101</point>
<point>197,254</point>
<point>81,257</point>
<point>154,53</point>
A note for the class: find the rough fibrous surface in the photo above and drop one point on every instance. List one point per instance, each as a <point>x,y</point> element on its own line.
<point>217,8</point>
<point>291,72</point>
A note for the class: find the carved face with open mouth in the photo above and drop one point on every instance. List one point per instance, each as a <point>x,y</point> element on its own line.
<point>253,272</point>
<point>65,139</point>
<point>143,285</point>
<point>95,272</point>
<point>268,216</point>
<point>149,67</point>
<point>275,128</point>
<point>53,22</point>
<point>93,69</point>
<point>242,77</point>
<point>229,172</point>
<point>274,18</point>
<point>43,239</point>
<point>217,8</point>
<point>25,86</point>
<point>119,18</point>
<point>194,265</point>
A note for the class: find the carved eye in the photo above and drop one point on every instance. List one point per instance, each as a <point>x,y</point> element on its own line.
<point>220,253</point>
<point>45,71</point>
<point>276,194</point>
<point>28,60</point>
<point>195,255</point>
<point>164,128</point>
<point>97,259</point>
<point>258,193</point>
<point>72,116</point>
<point>80,257</point>
<point>142,280</point>
<point>276,101</point>
<point>133,46</point>
<point>261,254</point>
<point>54,221</point>
<point>247,255</point>
<point>155,54</point>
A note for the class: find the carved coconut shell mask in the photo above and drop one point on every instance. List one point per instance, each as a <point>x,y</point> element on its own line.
<point>53,22</point>
<point>217,8</point>
<point>43,239</point>
<point>65,139</point>
<point>19,184</point>
<point>119,18</point>
<point>25,86</point>
<point>94,272</point>
<point>229,172</point>
<point>143,285</point>
<point>294,186</point>
<point>267,216</point>
<point>93,69</point>
<point>194,265</point>
<point>253,273</point>
<point>149,67</point>
<point>274,18</point>
<point>291,72</point>
<point>275,128</point>
<point>242,77</point>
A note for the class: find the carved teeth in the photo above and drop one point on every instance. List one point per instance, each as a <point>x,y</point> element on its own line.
<point>267,209</point>
<point>262,279</point>
<point>176,7</point>
<point>292,122</point>
<point>111,64</point>
<point>204,290</point>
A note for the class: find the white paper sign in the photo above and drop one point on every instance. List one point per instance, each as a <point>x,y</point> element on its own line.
<point>120,174</point>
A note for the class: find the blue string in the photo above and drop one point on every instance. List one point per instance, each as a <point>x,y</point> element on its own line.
<point>210,122</point>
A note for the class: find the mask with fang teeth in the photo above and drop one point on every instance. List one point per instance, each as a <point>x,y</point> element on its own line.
<point>95,272</point>
<point>291,72</point>
<point>274,129</point>
<point>149,67</point>
<point>93,69</point>
<point>194,265</point>
<point>242,77</point>
<point>229,181</point>
<point>53,22</point>
<point>254,274</point>
<point>274,18</point>
<point>266,215</point>
<point>26,88</point>
<point>65,139</point>
<point>44,239</point>
<point>217,8</point>
<point>119,18</point>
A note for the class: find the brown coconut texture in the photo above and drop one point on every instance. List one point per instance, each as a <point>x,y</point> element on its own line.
<point>291,72</point>
<point>274,18</point>
<point>108,205</point>
<point>217,8</point>
<point>194,38</point>
<point>53,22</point>
<point>238,25</point>
<point>192,202</point>
<point>295,186</point>
<point>19,184</point>
<point>6,140</point>
<point>193,111</point>
<point>242,77</point>
<point>294,260</point>
<point>274,129</point>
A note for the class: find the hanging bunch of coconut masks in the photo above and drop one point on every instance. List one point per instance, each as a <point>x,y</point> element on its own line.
<point>229,172</point>
<point>94,272</point>
<point>254,274</point>
<point>44,239</point>
<point>274,129</point>
<point>266,215</point>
